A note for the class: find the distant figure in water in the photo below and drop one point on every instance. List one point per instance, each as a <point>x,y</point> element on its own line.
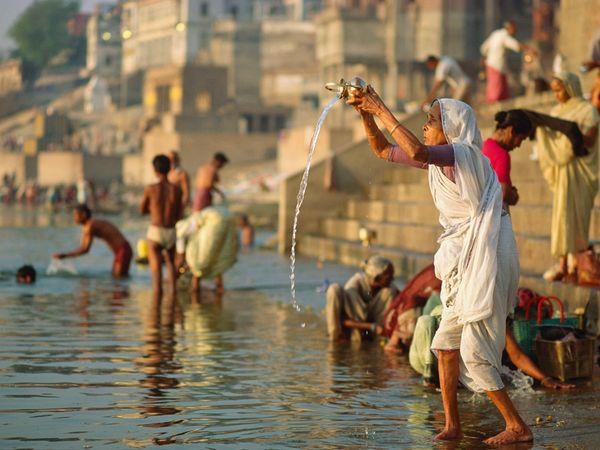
<point>359,307</point>
<point>162,201</point>
<point>207,177</point>
<point>246,232</point>
<point>26,274</point>
<point>179,177</point>
<point>101,229</point>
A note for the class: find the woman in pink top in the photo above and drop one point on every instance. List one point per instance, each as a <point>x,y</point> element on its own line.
<point>512,127</point>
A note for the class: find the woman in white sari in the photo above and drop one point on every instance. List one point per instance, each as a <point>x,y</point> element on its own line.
<point>477,259</point>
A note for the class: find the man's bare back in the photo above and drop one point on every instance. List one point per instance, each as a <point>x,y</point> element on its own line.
<point>181,179</point>
<point>207,176</point>
<point>162,201</point>
<point>102,229</point>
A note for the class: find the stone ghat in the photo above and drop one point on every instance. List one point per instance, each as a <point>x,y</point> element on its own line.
<point>395,203</point>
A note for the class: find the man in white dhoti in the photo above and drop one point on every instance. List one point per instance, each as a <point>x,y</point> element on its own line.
<point>477,258</point>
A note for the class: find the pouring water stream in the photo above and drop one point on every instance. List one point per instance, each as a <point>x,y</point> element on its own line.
<point>300,198</point>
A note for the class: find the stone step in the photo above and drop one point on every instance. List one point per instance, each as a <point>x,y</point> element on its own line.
<point>413,237</point>
<point>406,263</point>
<point>534,251</point>
<point>572,296</point>
<point>393,211</point>
<point>397,174</point>
<point>413,192</point>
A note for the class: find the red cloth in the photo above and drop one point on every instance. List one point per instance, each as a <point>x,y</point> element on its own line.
<point>499,158</point>
<point>123,256</point>
<point>414,295</point>
<point>497,85</point>
<point>202,199</point>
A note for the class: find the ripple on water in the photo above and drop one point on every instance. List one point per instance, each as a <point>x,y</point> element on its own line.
<point>92,363</point>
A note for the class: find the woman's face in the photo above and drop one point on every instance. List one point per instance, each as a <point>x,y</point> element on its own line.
<point>559,90</point>
<point>433,132</point>
<point>511,139</point>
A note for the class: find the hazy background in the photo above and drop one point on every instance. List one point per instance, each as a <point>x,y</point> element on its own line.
<point>11,10</point>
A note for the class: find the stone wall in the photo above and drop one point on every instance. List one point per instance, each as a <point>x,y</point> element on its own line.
<point>579,21</point>
<point>62,167</point>
<point>197,148</point>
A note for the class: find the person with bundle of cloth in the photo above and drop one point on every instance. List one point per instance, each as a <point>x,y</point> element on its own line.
<point>406,307</point>
<point>477,261</point>
<point>568,155</point>
<point>207,242</point>
<point>357,309</point>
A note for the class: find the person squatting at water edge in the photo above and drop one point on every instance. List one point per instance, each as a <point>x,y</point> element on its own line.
<point>477,260</point>
<point>162,201</point>
<point>101,229</point>
<point>358,309</point>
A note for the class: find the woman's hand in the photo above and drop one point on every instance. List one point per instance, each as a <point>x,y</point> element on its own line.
<point>368,102</point>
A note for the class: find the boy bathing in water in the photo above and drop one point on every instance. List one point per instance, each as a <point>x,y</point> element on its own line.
<point>162,201</point>
<point>101,229</point>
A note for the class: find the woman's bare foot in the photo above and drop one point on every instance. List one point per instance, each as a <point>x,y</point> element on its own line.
<point>449,434</point>
<point>511,436</point>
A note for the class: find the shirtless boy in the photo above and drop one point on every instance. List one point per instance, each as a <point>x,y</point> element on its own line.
<point>179,177</point>
<point>162,201</point>
<point>207,177</point>
<point>101,229</point>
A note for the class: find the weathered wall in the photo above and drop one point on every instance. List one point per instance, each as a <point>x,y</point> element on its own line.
<point>198,148</point>
<point>63,167</point>
<point>294,144</point>
<point>13,163</point>
<point>133,171</point>
<point>579,21</point>
<point>59,168</point>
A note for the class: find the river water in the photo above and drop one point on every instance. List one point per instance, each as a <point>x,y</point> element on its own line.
<point>87,362</point>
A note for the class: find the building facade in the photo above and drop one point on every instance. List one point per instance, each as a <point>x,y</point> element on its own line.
<point>103,56</point>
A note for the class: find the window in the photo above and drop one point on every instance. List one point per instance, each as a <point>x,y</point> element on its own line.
<point>280,122</point>
<point>234,11</point>
<point>264,123</point>
<point>163,100</point>
<point>204,9</point>
<point>203,102</point>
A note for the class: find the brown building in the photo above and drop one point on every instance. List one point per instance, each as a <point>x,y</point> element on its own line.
<point>11,77</point>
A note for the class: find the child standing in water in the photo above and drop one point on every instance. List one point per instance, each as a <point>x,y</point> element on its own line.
<point>162,201</point>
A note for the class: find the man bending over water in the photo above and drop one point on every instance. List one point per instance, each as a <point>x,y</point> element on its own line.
<point>162,201</point>
<point>101,229</point>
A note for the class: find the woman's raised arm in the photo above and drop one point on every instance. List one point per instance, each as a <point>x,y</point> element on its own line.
<point>370,102</point>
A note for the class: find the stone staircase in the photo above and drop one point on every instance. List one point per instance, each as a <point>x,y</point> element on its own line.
<point>399,209</point>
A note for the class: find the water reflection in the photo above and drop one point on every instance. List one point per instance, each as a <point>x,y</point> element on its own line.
<point>158,362</point>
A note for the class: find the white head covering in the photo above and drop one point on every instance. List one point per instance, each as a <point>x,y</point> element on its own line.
<point>459,123</point>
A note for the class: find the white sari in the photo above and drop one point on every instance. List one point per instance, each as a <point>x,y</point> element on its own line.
<point>477,260</point>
